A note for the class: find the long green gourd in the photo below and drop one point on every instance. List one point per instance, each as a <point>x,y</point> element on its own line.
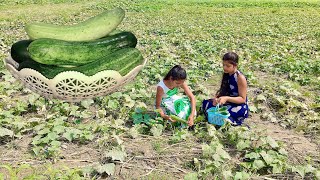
<point>19,50</point>
<point>123,61</point>
<point>90,29</point>
<point>178,119</point>
<point>61,53</point>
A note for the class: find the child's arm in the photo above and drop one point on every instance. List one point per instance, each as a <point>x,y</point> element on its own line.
<point>158,102</point>
<point>242,88</point>
<point>193,102</point>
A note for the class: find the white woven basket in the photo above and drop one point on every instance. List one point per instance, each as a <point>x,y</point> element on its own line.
<point>71,86</point>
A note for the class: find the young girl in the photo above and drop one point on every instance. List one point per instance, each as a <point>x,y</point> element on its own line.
<point>167,101</point>
<point>232,92</point>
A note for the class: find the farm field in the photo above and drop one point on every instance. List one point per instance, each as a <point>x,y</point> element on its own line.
<point>118,136</point>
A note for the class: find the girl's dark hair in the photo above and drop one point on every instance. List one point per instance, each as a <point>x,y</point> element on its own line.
<point>232,57</point>
<point>176,73</point>
<point>224,90</point>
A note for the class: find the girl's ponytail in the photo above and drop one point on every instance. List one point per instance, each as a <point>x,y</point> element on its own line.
<point>224,87</point>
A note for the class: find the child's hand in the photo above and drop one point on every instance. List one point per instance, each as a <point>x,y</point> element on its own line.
<point>190,120</point>
<point>214,101</point>
<point>164,116</point>
<point>222,100</point>
<point>168,118</point>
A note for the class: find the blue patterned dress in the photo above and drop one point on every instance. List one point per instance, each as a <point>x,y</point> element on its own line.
<point>238,112</point>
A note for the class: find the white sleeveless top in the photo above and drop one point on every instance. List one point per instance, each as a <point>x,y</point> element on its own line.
<point>167,92</point>
<point>164,87</point>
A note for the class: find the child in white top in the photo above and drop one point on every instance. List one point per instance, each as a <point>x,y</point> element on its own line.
<point>168,88</point>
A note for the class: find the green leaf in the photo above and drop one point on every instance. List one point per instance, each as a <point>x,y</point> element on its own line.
<point>68,136</point>
<point>87,103</point>
<point>55,143</point>
<point>246,165</point>
<point>211,131</point>
<point>112,104</point>
<point>44,131</point>
<point>58,129</point>
<point>309,168</point>
<point>85,114</point>
<point>222,153</point>
<point>261,97</point>
<point>128,101</point>
<point>77,121</point>
<point>60,121</point>
<point>45,140</point>
<point>52,136</point>
<point>300,170</point>
<point>87,170</point>
<point>71,134</point>
<point>140,110</point>
<point>37,140</point>
<point>276,168</point>
<point>106,168</point>
<point>243,144</point>
<point>87,135</point>
<point>207,151</point>
<point>75,113</point>
<point>156,130</point>
<point>5,132</point>
<point>252,155</point>
<point>101,113</point>
<point>283,151</point>
<point>36,150</point>
<point>241,176</point>
<point>18,123</point>
<point>32,98</point>
<point>116,155</point>
<point>317,174</point>
<point>21,106</point>
<point>272,142</point>
<point>266,157</point>
<point>197,163</point>
<point>217,159</point>
<point>141,104</point>
<point>191,176</point>
<point>227,174</point>
<point>253,109</point>
<point>258,164</point>
<point>39,127</point>
<point>118,139</point>
<point>146,118</point>
<point>7,114</point>
<point>133,132</point>
<point>137,118</point>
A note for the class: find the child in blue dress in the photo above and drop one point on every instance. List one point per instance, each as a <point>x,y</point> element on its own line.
<point>232,92</point>
<point>167,100</point>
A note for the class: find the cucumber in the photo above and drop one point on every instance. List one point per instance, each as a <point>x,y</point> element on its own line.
<point>90,29</point>
<point>59,52</point>
<point>178,119</point>
<point>223,108</point>
<point>44,69</point>
<point>19,51</point>
<point>123,61</point>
